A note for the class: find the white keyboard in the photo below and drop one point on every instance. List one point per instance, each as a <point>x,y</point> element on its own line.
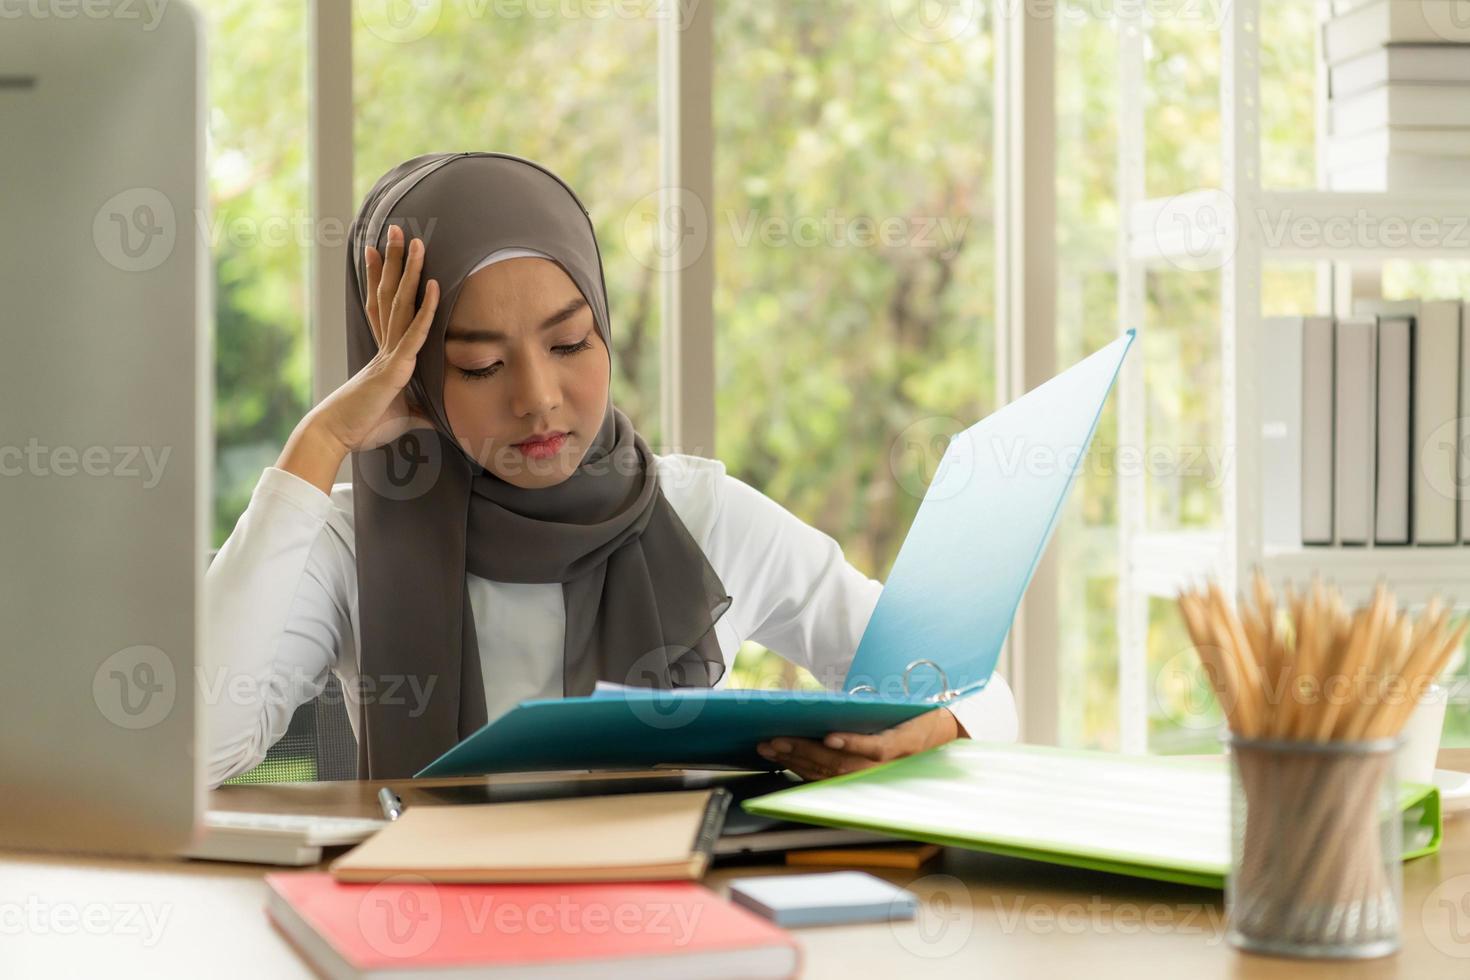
<point>293,839</point>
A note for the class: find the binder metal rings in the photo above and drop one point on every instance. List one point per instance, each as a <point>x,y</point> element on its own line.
<point>946,692</point>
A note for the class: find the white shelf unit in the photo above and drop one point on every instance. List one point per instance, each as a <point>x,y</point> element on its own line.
<point>1235,229</point>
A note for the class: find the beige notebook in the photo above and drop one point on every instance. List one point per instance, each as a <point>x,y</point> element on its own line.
<point>627,837</point>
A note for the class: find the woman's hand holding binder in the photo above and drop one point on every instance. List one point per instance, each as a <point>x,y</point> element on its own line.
<point>844,752</point>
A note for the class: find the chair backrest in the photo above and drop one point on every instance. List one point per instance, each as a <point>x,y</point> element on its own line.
<point>317,745</point>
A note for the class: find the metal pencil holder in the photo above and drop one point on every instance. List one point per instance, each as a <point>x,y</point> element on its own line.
<point>1315,848</point>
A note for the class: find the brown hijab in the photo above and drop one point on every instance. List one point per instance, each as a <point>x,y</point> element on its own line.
<point>641,597</point>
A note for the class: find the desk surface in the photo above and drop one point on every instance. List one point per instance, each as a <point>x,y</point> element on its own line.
<point>983,915</point>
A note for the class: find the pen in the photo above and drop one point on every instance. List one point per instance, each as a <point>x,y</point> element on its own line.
<point>391,804</point>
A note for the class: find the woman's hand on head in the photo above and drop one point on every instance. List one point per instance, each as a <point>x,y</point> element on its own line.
<point>844,752</point>
<point>373,407</point>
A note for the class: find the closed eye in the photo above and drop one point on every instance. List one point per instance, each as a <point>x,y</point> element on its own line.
<point>562,350</point>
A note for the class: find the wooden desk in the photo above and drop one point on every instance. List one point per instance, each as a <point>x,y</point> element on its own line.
<point>983,917</point>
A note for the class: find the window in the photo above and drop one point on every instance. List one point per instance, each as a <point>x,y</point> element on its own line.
<point>259,234</point>
<point>854,294</point>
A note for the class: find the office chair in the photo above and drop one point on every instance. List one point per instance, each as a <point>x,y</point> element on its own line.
<point>318,744</point>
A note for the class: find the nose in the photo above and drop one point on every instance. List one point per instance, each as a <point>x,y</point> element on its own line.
<point>535,390</point>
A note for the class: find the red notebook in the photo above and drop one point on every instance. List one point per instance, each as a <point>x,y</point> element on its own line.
<point>407,927</point>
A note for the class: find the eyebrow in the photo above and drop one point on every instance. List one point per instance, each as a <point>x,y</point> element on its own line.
<point>462,335</point>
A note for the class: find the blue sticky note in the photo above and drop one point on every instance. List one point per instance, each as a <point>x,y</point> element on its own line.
<point>824,898</point>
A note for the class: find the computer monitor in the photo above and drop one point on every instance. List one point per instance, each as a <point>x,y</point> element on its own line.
<point>105,425</point>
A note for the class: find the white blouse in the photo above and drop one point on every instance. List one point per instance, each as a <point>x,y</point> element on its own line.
<point>281,606</point>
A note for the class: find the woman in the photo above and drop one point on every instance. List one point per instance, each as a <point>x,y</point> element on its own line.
<point>507,533</point>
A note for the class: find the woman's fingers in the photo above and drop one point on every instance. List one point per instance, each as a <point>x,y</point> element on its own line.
<point>915,735</point>
<point>878,747</point>
<point>374,263</point>
<point>393,282</point>
<point>418,329</point>
<point>810,759</point>
<point>407,292</point>
<point>388,283</point>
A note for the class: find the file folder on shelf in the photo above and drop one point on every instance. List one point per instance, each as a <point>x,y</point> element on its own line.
<point>934,635</point>
<point>1161,817</point>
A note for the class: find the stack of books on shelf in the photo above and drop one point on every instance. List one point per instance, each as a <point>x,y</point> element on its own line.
<point>1398,79</point>
<point>1363,426</point>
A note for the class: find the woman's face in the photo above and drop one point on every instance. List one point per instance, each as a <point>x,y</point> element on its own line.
<point>523,358</point>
